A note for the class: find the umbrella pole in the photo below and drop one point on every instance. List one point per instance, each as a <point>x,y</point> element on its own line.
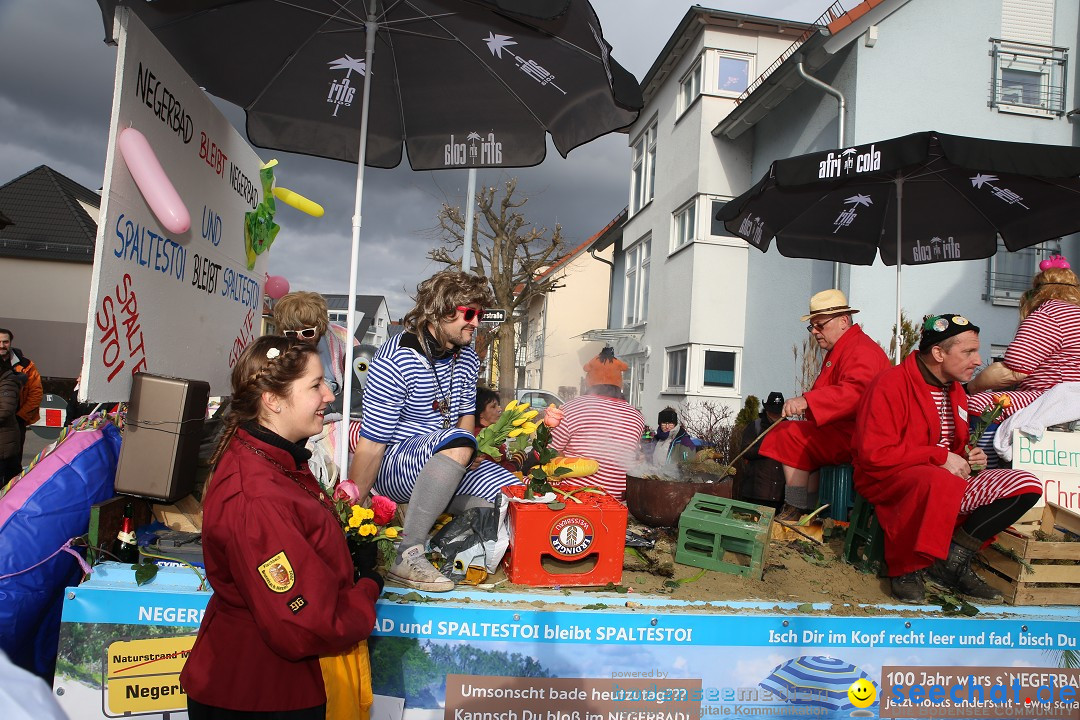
<point>466,245</point>
<point>370,28</point>
<point>899,260</point>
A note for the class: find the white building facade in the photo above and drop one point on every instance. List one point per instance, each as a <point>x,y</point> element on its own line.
<point>717,320</point>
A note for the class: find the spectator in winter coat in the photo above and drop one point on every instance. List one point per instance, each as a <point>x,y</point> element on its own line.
<point>11,384</point>
<point>31,393</point>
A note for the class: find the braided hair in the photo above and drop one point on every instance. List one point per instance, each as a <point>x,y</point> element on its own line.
<point>270,364</point>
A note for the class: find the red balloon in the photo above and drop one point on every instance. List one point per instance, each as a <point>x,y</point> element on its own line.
<point>276,287</point>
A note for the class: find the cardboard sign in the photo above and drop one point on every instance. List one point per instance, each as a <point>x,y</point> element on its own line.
<point>181,305</point>
<point>1056,461</point>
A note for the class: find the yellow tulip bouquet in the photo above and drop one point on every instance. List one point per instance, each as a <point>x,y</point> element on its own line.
<point>515,423</point>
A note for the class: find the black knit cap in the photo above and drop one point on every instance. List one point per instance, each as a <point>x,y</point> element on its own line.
<point>667,415</point>
<point>937,328</point>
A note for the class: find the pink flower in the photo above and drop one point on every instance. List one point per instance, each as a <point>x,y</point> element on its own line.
<point>384,509</point>
<point>347,491</point>
<point>553,416</point>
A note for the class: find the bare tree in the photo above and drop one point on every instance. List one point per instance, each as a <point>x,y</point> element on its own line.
<point>511,253</point>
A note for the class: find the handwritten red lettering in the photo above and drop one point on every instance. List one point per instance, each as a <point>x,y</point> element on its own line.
<point>244,338</point>
<point>108,321</point>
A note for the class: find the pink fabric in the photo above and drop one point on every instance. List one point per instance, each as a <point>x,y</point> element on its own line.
<point>67,451</point>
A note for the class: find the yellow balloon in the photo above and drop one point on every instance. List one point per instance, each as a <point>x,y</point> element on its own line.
<point>298,201</point>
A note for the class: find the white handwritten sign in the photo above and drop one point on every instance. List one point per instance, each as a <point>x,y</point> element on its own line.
<point>185,304</point>
<point>1056,461</point>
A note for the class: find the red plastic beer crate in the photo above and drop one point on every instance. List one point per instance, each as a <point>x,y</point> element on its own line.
<point>582,544</point>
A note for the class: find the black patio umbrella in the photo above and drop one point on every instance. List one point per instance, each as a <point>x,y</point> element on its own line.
<point>925,198</point>
<point>461,83</point>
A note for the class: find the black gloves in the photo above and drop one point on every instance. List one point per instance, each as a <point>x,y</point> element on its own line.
<point>365,558</point>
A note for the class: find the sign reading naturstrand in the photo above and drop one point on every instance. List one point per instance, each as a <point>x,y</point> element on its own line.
<point>181,304</point>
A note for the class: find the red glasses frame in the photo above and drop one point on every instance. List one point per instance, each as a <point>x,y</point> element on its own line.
<point>470,313</point>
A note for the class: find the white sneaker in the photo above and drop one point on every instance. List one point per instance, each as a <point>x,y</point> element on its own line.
<point>413,570</point>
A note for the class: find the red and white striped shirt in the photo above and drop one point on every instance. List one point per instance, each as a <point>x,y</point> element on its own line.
<point>1047,346</point>
<point>604,429</point>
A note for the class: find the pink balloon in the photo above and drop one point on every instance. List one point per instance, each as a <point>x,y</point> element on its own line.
<point>152,181</point>
<point>276,287</point>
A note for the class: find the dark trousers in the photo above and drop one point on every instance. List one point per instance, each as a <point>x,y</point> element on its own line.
<point>198,711</point>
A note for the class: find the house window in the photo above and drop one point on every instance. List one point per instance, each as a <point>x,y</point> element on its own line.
<point>690,87</point>
<point>643,177</point>
<point>676,368</point>
<point>634,380</point>
<point>719,369</point>
<point>1011,272</point>
<point>716,228</point>
<point>685,225</point>
<point>636,297</point>
<point>1027,77</point>
<point>732,74</point>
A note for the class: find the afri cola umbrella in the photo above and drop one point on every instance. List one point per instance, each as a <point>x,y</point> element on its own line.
<point>924,198</point>
<point>460,83</point>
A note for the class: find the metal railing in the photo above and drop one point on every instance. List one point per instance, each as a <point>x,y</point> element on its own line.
<point>833,12</point>
<point>1041,71</point>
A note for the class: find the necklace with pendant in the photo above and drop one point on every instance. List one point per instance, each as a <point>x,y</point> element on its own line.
<point>441,404</point>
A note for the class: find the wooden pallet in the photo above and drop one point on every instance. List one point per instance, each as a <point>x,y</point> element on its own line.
<point>1050,581</point>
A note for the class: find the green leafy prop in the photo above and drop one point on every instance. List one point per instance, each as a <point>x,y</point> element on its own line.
<point>259,226</point>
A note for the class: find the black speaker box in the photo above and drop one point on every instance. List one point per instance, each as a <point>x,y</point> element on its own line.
<point>160,451</point>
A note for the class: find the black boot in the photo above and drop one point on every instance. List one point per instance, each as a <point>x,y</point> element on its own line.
<point>909,588</point>
<point>954,572</point>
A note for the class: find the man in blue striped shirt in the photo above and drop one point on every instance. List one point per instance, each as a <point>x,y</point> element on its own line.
<point>416,440</point>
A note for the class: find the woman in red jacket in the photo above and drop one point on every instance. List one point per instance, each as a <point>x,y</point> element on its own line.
<point>285,589</point>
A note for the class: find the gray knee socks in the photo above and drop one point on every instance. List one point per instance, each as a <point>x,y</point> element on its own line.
<point>435,486</point>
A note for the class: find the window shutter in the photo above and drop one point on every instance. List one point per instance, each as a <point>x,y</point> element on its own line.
<point>1030,21</point>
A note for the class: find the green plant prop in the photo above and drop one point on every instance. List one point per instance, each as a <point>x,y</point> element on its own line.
<point>259,226</point>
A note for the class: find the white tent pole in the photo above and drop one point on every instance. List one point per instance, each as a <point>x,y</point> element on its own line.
<point>466,247</point>
<point>899,260</point>
<point>370,28</point>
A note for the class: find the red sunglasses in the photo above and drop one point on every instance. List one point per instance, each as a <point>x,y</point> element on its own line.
<point>469,313</point>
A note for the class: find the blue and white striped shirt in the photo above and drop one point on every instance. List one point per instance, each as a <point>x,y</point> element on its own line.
<point>401,395</point>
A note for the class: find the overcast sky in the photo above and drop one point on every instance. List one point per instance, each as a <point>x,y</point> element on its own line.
<point>56,93</point>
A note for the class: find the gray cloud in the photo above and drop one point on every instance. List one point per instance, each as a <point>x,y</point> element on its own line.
<point>57,93</point>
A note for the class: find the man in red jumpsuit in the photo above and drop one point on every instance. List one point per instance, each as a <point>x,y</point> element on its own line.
<point>913,463</point>
<point>852,360</point>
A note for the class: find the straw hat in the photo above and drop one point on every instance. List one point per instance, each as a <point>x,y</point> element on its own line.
<point>829,302</point>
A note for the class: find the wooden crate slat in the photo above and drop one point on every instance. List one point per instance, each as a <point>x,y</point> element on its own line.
<point>1054,514</point>
<point>1053,551</point>
<point>1046,596</point>
<point>1052,574</point>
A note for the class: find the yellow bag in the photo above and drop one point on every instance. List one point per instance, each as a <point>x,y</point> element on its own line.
<point>347,678</point>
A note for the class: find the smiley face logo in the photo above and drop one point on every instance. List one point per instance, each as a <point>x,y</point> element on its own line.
<point>862,693</point>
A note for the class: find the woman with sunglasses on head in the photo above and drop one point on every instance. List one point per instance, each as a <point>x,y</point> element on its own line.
<point>304,316</point>
<point>286,591</point>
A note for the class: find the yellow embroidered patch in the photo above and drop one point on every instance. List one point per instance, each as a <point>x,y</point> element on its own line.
<point>278,573</point>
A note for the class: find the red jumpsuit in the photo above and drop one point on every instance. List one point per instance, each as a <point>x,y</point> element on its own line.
<point>825,437</point>
<point>897,456</point>
<point>283,586</point>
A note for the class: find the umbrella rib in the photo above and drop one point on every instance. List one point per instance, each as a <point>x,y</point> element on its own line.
<point>329,16</point>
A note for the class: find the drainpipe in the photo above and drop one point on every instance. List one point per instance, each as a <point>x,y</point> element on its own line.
<point>840,130</point>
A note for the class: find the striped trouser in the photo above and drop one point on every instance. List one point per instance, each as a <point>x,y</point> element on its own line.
<point>404,460</point>
<point>1018,399</point>
<point>991,485</point>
